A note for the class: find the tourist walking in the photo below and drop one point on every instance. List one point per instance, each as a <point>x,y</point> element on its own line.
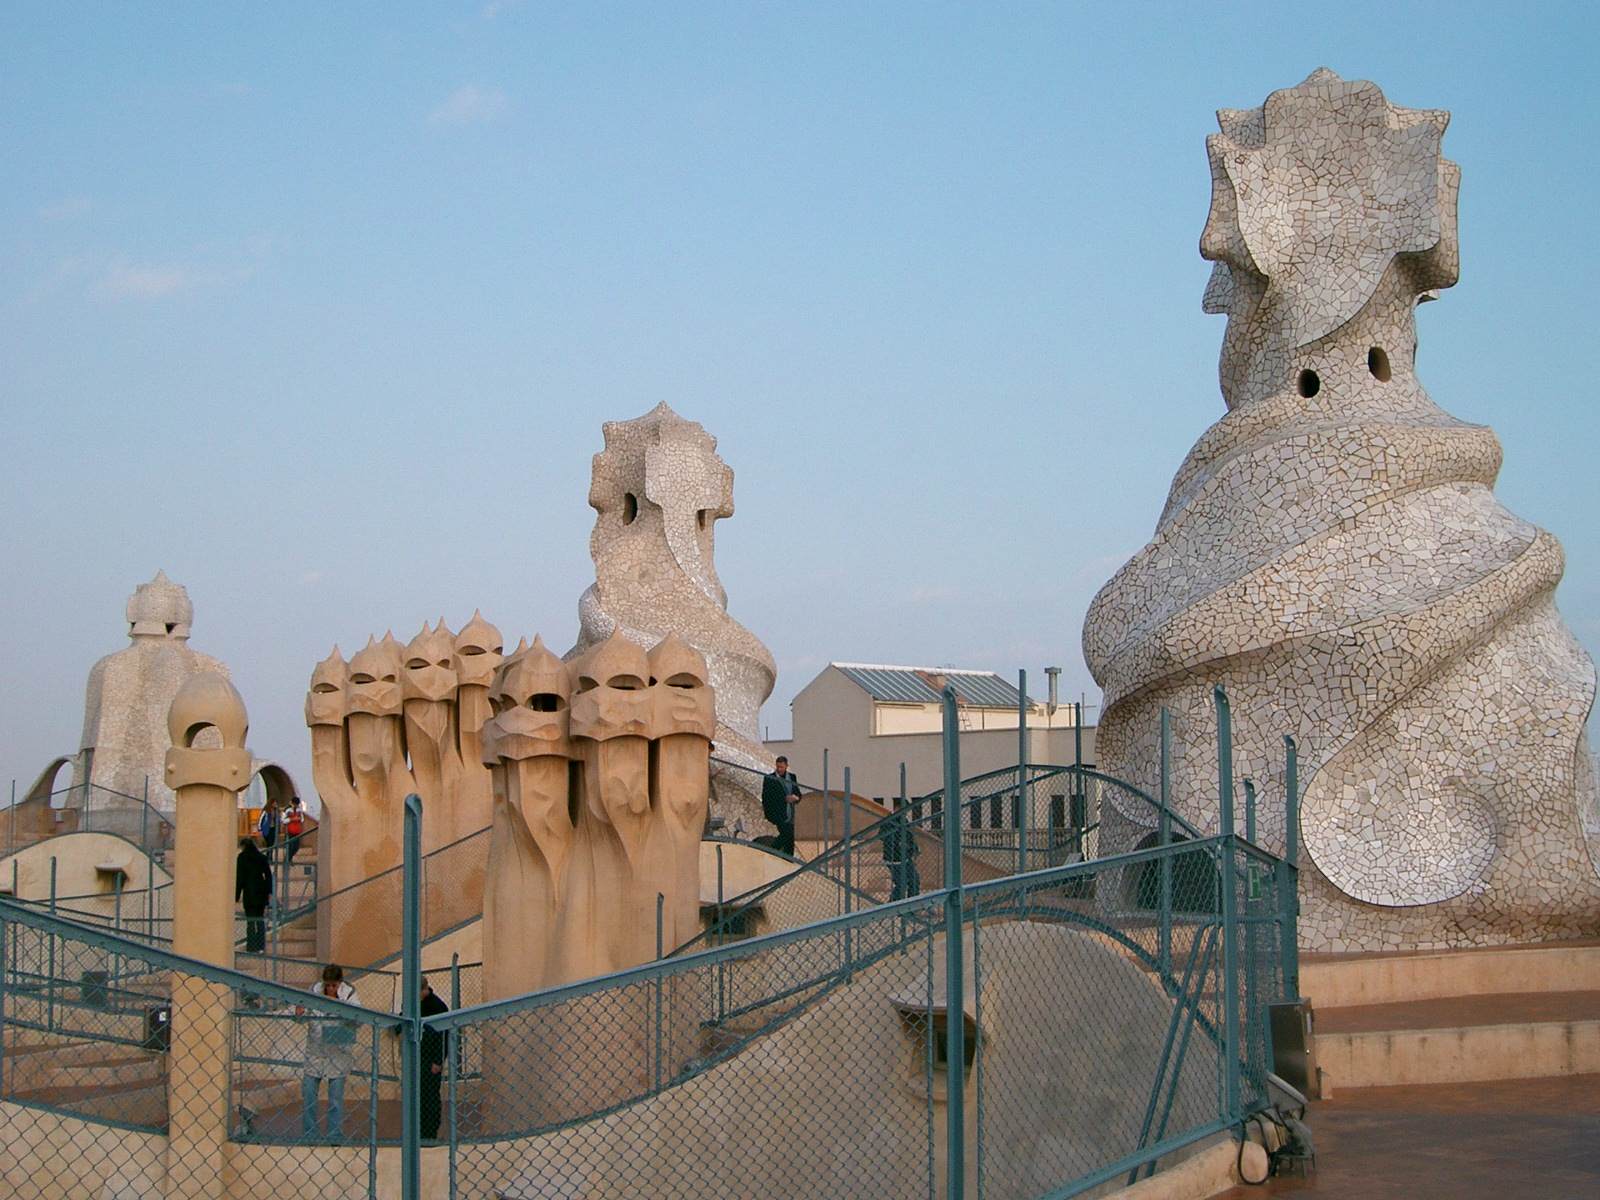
<point>900,853</point>
<point>252,887</point>
<point>431,1065</point>
<point>294,828</point>
<point>267,826</point>
<point>330,1055</point>
<point>779,793</point>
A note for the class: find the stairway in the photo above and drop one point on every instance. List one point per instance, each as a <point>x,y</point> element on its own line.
<point>1456,1016</point>
<point>295,938</point>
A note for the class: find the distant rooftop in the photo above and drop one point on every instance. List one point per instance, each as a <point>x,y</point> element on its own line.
<point>920,685</point>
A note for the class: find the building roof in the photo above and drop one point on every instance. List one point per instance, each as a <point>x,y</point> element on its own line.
<point>921,685</point>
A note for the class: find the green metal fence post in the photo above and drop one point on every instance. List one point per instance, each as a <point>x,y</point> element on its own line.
<point>1249,933</point>
<point>372,1122</point>
<point>826,796</point>
<point>954,1002</point>
<point>410,1005</point>
<point>1289,868</point>
<point>849,880</point>
<point>1230,916</point>
<point>50,979</point>
<point>1164,834</point>
<point>1077,739</point>
<point>849,851</point>
<point>116,926</point>
<point>661,902</point>
<point>452,1055</point>
<point>144,818</point>
<point>1022,773</point>
<point>5,970</point>
<point>722,969</point>
<point>906,841</point>
<point>1080,797</point>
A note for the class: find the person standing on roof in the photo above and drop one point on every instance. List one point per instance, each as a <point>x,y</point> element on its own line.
<point>252,886</point>
<point>330,1055</point>
<point>900,852</point>
<point>267,827</point>
<point>780,791</point>
<point>294,828</point>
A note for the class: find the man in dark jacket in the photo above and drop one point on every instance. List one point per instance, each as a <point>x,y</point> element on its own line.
<point>435,1045</point>
<point>252,885</point>
<point>779,791</point>
<point>900,853</point>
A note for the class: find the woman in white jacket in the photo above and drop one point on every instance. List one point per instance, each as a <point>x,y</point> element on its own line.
<point>330,1055</point>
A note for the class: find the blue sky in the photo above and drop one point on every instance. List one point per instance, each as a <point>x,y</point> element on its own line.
<point>320,308</point>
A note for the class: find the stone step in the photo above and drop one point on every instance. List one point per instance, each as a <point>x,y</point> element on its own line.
<point>1340,980</point>
<point>95,1066</point>
<point>1460,1039</point>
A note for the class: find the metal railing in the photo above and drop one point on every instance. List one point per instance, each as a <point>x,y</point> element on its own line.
<point>1039,1033</point>
<point>1051,820</point>
<point>85,808</point>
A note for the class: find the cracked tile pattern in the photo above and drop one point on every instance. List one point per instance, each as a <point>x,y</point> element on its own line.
<point>658,489</point>
<point>1331,551</point>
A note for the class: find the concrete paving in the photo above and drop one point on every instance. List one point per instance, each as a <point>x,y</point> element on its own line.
<point>1469,1141</point>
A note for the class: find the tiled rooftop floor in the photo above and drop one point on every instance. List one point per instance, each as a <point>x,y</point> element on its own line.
<point>1470,1141</point>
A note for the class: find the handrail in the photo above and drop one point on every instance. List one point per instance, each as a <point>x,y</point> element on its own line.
<point>735,909</point>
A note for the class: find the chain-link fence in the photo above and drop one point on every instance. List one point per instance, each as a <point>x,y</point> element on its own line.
<point>127,1071</point>
<point>1053,819</point>
<point>1095,1043</point>
<point>967,1020</point>
<point>1094,1039</point>
<point>85,808</point>
<point>362,919</point>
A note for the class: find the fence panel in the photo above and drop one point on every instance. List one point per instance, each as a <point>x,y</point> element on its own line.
<point>795,1064</point>
<point>126,1070</point>
<point>810,1060</point>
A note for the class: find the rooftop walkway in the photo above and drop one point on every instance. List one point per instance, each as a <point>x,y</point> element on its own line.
<point>1460,1141</point>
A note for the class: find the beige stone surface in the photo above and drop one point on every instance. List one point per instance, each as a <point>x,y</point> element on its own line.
<point>81,859</point>
<point>658,489</point>
<point>601,776</point>
<point>1398,978</point>
<point>396,720</point>
<point>744,868</point>
<point>1460,1055</point>
<point>1202,1174</point>
<point>56,1157</point>
<point>1332,552</point>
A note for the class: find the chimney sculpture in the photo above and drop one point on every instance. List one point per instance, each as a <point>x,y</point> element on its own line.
<point>601,771</point>
<point>658,489</point>
<point>1332,552</point>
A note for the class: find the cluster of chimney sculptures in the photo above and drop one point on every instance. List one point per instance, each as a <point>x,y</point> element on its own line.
<point>591,776</point>
<point>591,773</point>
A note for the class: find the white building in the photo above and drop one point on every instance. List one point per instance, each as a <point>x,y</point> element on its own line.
<point>872,717</point>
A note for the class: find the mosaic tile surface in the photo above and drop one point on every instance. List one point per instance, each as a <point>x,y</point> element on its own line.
<point>1331,551</point>
<point>658,489</point>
